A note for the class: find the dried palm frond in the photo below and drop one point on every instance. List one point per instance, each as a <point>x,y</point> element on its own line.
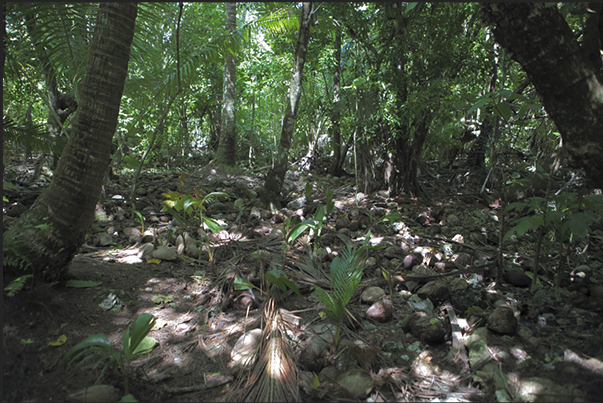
<point>274,376</point>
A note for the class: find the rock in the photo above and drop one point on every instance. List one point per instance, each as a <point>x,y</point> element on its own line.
<point>426,328</point>
<point>411,261</point>
<point>382,310</point>
<point>191,250</point>
<point>105,239</point>
<point>458,285</point>
<point>298,203</point>
<point>517,278</point>
<point>393,251</point>
<point>356,382</point>
<point>452,220</point>
<point>354,225</point>
<point>461,259</point>
<point>165,253</point>
<point>255,213</point>
<point>372,294</point>
<point>437,291</point>
<point>133,239</point>
<point>129,231</point>
<point>340,223</point>
<point>502,320</point>
<point>244,353</point>
<point>146,251</point>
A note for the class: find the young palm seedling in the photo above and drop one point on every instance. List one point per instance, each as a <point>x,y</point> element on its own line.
<point>97,351</point>
<point>346,272</point>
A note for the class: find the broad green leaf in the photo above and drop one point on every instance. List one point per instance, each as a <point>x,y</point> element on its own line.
<point>146,345</point>
<point>525,224</point>
<point>478,105</point>
<point>298,229</point>
<point>211,224</point>
<point>59,341</point>
<point>131,161</point>
<point>503,109</point>
<point>243,284</point>
<point>83,283</point>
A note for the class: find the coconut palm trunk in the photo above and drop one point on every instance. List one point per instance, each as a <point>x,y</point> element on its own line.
<point>45,239</point>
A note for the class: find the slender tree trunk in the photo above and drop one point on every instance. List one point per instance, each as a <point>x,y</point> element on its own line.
<point>45,239</point>
<point>228,137</point>
<point>337,160</point>
<point>566,74</point>
<point>276,176</point>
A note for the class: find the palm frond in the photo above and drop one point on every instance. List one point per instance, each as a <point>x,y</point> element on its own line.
<point>274,376</point>
<point>34,137</point>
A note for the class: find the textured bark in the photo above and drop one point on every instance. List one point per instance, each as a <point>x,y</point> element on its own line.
<point>566,75</point>
<point>276,176</point>
<point>66,209</point>
<point>228,136</point>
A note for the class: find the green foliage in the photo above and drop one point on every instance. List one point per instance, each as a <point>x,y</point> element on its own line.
<point>97,352</point>
<point>192,206</point>
<point>346,273</point>
<point>315,224</point>
<point>567,216</point>
<point>275,276</point>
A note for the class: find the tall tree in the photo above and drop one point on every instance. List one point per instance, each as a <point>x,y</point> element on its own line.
<point>337,159</point>
<point>567,74</point>
<point>228,135</point>
<point>276,176</point>
<point>45,239</point>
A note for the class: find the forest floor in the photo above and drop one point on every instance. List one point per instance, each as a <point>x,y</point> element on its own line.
<point>438,261</point>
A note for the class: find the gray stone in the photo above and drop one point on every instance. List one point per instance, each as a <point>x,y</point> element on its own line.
<point>356,382</point>
<point>165,253</point>
<point>437,291</point>
<point>502,320</point>
<point>372,294</point>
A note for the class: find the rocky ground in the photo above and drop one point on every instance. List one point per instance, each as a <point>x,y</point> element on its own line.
<point>431,323</point>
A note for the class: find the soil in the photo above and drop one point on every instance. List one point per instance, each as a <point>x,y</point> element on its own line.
<point>200,314</point>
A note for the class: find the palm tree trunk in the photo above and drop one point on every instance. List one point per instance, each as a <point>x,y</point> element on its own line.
<point>44,239</point>
<point>228,137</point>
<point>276,176</point>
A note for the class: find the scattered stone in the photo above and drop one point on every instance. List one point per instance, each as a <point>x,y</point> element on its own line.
<point>129,231</point>
<point>382,310</point>
<point>502,320</point>
<point>244,353</point>
<point>452,220</point>
<point>191,250</point>
<point>425,327</point>
<point>298,203</point>
<point>356,382</point>
<point>96,393</point>
<point>165,253</point>
<point>517,278</point>
<point>354,225</point>
<point>411,260</point>
<point>340,223</point>
<point>105,239</point>
<point>437,291</point>
<point>461,259</point>
<point>372,294</point>
<point>393,251</point>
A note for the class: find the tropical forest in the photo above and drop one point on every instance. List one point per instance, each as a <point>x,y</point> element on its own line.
<point>302,201</point>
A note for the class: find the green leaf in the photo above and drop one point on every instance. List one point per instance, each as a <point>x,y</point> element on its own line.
<point>478,105</point>
<point>131,161</point>
<point>243,284</point>
<point>525,224</point>
<point>211,224</point>
<point>146,345</point>
<point>128,398</point>
<point>83,283</point>
<point>141,328</point>
<point>298,229</point>
<point>503,109</point>
<point>279,278</point>
<point>7,185</point>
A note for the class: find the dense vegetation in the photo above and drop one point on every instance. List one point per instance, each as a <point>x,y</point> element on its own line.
<point>502,107</point>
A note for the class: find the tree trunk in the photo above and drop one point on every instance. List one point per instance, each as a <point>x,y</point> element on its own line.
<point>276,176</point>
<point>228,137</point>
<point>337,160</point>
<point>44,239</point>
<point>566,75</point>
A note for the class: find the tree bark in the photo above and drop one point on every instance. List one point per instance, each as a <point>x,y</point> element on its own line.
<point>276,176</point>
<point>566,75</point>
<point>44,239</point>
<point>227,146</point>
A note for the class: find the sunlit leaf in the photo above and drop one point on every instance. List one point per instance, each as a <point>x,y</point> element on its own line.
<point>59,341</point>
